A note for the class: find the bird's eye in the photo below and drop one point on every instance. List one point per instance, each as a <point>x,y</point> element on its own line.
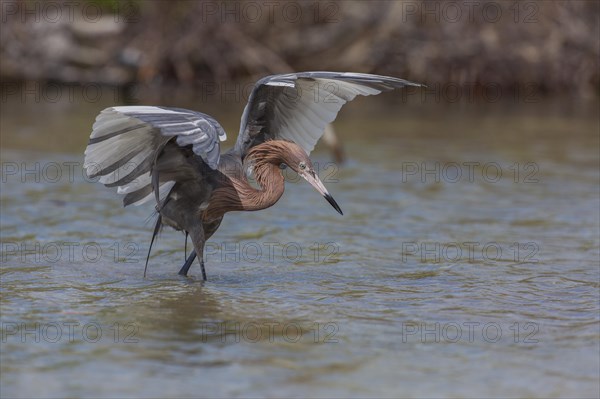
<point>282,166</point>
<point>302,165</point>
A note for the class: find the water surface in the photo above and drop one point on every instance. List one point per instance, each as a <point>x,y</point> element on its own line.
<point>466,264</point>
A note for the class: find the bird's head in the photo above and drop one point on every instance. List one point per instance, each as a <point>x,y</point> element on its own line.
<point>296,158</point>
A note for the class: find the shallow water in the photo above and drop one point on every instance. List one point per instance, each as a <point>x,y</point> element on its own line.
<point>442,278</point>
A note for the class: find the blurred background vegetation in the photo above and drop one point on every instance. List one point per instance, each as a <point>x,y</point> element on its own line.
<point>554,45</point>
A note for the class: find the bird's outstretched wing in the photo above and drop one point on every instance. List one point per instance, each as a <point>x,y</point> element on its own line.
<point>297,106</point>
<point>129,146</point>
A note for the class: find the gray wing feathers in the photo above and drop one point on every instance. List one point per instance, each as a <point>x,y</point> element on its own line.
<point>125,141</point>
<point>297,107</point>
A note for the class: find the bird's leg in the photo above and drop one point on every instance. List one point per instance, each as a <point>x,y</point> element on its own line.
<point>187,264</point>
<point>202,267</point>
<point>197,235</point>
<point>156,229</point>
<point>185,246</point>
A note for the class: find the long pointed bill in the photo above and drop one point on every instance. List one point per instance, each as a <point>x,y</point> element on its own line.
<point>314,181</point>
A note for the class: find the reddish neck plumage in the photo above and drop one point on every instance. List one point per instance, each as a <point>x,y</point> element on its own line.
<point>239,195</point>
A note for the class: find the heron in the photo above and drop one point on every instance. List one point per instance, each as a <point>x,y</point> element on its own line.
<point>332,142</point>
<point>172,156</point>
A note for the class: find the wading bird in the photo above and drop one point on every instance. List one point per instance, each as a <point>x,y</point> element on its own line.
<point>335,147</point>
<point>172,155</point>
